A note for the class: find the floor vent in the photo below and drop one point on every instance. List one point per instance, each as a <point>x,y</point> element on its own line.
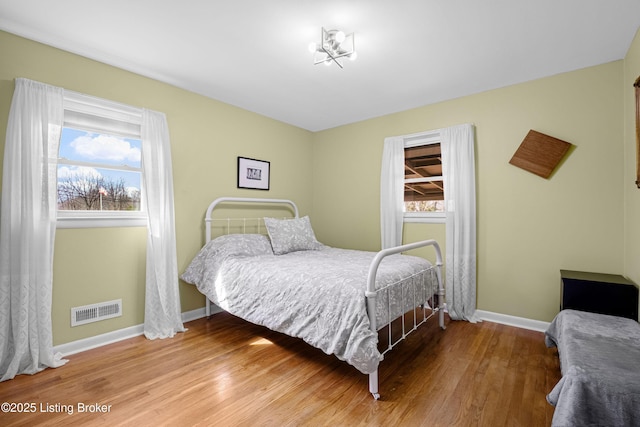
<point>95,312</point>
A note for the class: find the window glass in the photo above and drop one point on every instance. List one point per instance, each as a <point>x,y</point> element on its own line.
<point>423,184</point>
<point>98,172</point>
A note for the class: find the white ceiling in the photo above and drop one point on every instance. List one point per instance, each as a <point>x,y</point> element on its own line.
<point>253,53</point>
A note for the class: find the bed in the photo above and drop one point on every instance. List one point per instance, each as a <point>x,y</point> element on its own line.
<point>273,272</point>
<point>599,362</point>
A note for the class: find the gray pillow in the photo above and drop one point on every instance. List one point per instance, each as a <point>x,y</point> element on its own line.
<point>290,235</point>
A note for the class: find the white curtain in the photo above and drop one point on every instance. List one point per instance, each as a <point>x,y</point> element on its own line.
<point>27,229</point>
<point>458,165</point>
<point>392,192</point>
<point>162,314</point>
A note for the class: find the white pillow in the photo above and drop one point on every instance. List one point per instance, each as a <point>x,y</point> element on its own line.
<point>290,235</point>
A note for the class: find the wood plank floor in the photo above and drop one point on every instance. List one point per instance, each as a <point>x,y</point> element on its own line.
<point>227,372</point>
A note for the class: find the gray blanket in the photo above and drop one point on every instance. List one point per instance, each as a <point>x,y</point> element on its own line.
<point>317,295</point>
<point>600,365</point>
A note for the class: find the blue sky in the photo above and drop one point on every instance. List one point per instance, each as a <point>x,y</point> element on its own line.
<point>108,150</point>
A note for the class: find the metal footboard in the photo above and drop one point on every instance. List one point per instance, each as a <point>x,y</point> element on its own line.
<point>372,294</point>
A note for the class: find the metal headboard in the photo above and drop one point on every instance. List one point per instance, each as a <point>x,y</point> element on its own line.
<point>216,202</point>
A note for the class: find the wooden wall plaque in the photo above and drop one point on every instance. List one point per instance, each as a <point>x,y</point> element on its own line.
<point>540,154</point>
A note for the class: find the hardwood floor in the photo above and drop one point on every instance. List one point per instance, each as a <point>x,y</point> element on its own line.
<point>227,372</point>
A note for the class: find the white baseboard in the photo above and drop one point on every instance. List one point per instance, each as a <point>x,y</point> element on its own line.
<point>198,313</point>
<point>85,344</point>
<point>519,322</point>
<point>135,331</point>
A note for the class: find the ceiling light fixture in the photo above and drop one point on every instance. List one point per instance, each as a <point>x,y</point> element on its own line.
<point>334,45</point>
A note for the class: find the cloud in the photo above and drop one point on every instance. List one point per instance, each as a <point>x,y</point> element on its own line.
<point>105,147</point>
<point>78,172</point>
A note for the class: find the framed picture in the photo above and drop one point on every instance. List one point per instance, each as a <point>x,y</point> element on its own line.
<point>253,173</point>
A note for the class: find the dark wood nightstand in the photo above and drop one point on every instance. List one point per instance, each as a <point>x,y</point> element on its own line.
<point>598,293</point>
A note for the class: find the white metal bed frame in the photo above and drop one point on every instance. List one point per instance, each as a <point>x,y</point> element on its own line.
<point>371,293</point>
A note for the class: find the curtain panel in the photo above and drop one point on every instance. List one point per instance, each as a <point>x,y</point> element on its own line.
<point>162,313</point>
<point>27,229</point>
<point>458,168</point>
<point>392,192</point>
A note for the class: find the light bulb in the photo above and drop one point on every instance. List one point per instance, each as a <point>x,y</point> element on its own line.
<point>312,47</point>
<point>353,56</point>
<point>340,36</point>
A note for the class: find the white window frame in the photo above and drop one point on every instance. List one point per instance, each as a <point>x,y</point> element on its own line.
<point>104,112</point>
<point>417,140</point>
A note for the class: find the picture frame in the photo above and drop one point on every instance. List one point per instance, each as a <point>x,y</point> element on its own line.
<point>253,173</point>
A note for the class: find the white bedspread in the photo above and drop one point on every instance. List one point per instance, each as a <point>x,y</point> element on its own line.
<point>316,295</point>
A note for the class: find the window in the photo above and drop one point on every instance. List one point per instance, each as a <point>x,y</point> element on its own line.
<point>423,181</point>
<point>99,182</point>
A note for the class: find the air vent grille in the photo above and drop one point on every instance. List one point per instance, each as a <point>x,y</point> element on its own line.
<point>95,312</point>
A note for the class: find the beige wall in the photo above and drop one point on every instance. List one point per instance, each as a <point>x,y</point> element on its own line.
<point>631,191</point>
<point>93,265</point>
<point>528,227</point>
